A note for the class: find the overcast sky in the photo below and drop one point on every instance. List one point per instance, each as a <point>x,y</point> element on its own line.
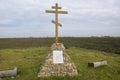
<point>27,18</point>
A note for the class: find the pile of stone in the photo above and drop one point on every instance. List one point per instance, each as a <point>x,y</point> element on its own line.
<point>48,68</point>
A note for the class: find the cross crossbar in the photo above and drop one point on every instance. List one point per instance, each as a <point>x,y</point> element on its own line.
<point>60,12</point>
<point>54,7</point>
<point>57,24</point>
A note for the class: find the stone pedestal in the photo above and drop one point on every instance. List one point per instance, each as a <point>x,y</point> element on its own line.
<point>48,68</point>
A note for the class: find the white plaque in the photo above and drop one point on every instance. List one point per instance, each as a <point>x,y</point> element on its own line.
<point>57,56</point>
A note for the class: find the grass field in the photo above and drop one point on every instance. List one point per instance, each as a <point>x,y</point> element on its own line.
<point>28,61</point>
<point>107,44</point>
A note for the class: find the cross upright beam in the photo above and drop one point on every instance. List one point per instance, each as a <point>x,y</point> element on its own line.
<point>56,7</point>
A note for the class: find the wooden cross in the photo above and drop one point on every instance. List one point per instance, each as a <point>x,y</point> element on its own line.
<point>56,7</point>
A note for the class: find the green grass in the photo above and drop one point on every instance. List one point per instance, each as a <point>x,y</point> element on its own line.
<point>28,61</point>
<point>107,44</point>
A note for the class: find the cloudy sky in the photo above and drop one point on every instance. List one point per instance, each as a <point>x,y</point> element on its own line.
<point>27,18</point>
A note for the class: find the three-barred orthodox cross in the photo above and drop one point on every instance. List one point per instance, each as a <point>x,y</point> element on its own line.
<point>56,7</point>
